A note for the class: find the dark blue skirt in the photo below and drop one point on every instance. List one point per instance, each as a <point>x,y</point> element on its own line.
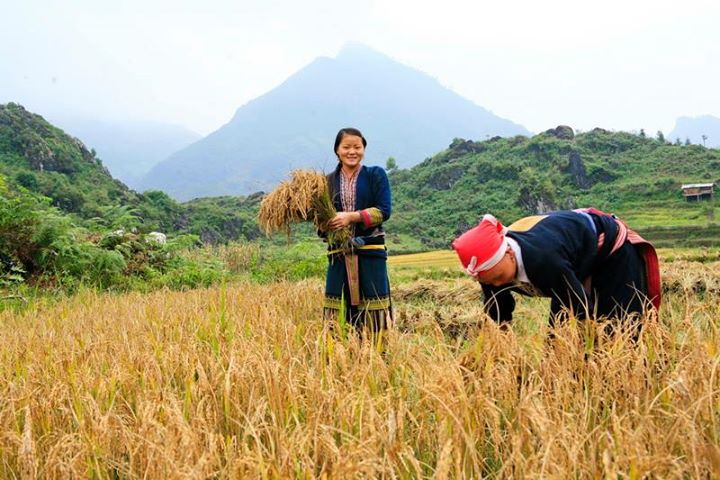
<point>373,282</point>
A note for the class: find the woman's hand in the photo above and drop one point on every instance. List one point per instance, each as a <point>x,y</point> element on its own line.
<point>344,219</point>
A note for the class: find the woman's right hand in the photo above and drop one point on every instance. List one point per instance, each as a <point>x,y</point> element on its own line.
<point>344,219</point>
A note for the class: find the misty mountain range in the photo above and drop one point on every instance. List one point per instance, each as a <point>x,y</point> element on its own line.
<point>694,128</point>
<point>403,113</point>
<point>128,149</point>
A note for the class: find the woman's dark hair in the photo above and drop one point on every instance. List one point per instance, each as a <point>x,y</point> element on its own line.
<point>348,131</point>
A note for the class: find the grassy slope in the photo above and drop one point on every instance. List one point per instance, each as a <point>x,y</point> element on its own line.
<point>42,158</point>
<point>634,177</point>
<point>46,161</point>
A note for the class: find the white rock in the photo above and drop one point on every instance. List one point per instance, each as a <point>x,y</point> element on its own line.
<point>156,237</point>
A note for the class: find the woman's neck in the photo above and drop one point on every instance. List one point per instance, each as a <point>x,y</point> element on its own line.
<point>349,172</point>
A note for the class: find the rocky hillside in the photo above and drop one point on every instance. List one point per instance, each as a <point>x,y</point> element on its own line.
<point>42,160</point>
<point>636,177</point>
<point>45,160</point>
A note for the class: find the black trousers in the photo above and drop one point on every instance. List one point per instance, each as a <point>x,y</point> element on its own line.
<point>618,284</point>
<point>617,289</point>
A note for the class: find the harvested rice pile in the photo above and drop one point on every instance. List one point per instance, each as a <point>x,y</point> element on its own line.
<point>459,292</point>
<point>305,198</point>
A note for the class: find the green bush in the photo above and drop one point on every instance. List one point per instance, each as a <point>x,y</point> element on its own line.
<point>305,259</point>
<point>187,274</point>
<point>41,245</point>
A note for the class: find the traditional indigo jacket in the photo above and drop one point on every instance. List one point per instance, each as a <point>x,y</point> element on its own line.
<point>373,200</point>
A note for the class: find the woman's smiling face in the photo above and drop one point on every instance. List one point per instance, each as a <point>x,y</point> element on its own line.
<point>350,151</point>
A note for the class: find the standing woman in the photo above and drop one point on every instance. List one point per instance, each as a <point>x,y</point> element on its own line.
<point>357,276</point>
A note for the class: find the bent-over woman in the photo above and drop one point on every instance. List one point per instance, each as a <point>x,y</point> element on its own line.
<point>588,262</point>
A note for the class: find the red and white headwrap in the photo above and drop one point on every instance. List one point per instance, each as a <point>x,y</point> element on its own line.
<point>483,246</point>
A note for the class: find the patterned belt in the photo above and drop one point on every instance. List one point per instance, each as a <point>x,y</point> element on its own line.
<point>364,247</point>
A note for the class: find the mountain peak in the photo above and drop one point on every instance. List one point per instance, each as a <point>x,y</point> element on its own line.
<point>359,51</point>
<point>404,112</point>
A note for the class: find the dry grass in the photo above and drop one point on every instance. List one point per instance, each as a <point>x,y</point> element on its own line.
<point>305,198</point>
<point>243,382</point>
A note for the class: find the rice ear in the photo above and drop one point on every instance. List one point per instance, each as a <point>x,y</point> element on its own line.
<point>306,197</point>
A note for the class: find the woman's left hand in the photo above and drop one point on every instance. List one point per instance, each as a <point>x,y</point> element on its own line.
<point>342,219</point>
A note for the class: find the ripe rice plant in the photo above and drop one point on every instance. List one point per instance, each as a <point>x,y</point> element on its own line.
<point>245,381</point>
<point>304,198</point>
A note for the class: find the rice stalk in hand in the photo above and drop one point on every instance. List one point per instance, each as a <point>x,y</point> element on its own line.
<point>305,198</point>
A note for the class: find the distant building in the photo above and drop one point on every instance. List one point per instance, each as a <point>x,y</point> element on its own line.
<point>698,191</point>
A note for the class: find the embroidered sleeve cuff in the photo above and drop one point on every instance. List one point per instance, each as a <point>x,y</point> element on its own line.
<point>371,217</point>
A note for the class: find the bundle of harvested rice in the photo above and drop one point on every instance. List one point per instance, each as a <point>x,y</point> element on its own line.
<point>456,292</point>
<point>305,198</point>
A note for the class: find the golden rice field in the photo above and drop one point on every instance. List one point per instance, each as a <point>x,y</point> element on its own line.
<point>243,381</point>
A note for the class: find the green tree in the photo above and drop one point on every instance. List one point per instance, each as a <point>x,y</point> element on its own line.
<point>27,180</point>
<point>391,164</point>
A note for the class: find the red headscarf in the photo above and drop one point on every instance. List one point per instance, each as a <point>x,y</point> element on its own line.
<point>482,247</point>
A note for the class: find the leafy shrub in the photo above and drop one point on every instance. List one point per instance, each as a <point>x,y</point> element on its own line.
<point>40,244</point>
<point>19,217</point>
<point>305,259</point>
<point>186,274</point>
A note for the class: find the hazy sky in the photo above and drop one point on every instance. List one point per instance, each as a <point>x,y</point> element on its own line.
<point>616,64</point>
